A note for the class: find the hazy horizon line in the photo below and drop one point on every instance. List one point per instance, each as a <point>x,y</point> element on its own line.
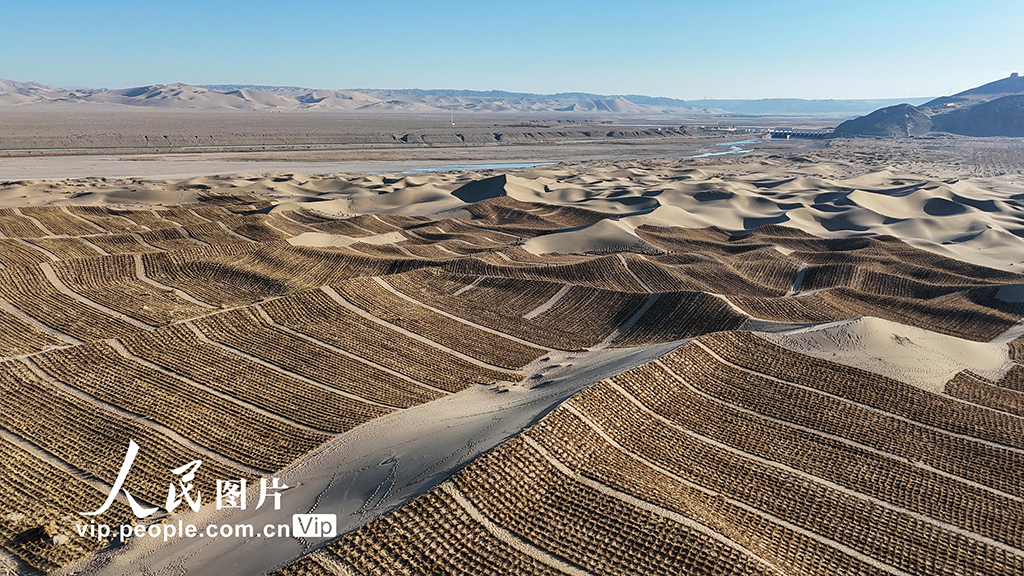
<point>469,92</point>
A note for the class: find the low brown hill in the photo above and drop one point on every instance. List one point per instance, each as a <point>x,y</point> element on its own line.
<point>993,109</point>
<point>1001,117</point>
<point>1013,84</point>
<point>899,120</point>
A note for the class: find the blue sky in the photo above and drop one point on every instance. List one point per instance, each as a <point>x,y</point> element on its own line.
<point>683,49</point>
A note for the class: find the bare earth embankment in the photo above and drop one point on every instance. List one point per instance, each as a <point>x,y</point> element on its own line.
<point>795,362</point>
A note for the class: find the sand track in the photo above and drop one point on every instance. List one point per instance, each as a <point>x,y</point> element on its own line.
<point>431,441</point>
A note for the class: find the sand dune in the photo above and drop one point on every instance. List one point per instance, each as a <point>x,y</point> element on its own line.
<point>920,357</point>
<point>501,185</point>
<point>174,96</point>
<point>409,323</point>
<point>604,236</point>
<point>337,99</point>
<point>26,88</point>
<point>618,105</point>
<point>977,220</point>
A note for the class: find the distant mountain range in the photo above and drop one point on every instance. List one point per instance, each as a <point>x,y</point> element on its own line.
<point>295,98</point>
<point>994,109</point>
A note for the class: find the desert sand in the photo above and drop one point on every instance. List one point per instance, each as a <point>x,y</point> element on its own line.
<point>368,472</point>
<point>556,244</point>
<point>915,356</point>
<point>946,211</point>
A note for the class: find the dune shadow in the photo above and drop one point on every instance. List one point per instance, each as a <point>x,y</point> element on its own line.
<point>712,196</point>
<point>834,198</point>
<point>841,223</point>
<point>983,205</point>
<point>750,223</point>
<point>943,207</point>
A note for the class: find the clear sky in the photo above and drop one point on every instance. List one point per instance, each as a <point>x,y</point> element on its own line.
<point>683,49</point>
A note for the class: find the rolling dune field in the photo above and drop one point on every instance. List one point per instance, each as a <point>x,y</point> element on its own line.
<point>783,363</point>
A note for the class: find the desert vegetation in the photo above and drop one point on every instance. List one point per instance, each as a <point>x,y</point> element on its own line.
<point>247,334</point>
<point>696,452</point>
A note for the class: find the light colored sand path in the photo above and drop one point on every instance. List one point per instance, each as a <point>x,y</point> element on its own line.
<point>735,308</point>
<point>53,257</point>
<point>194,213</point>
<point>367,230</point>
<point>625,264</point>
<point>628,323</point>
<point>797,280</point>
<point>549,304</point>
<point>99,229</point>
<point>488,230</point>
<point>379,219</point>
<point>284,214</point>
<point>369,471</point>
<point>94,247</point>
<point>469,286</point>
<point>224,227</point>
<point>1013,333</point>
<point>160,217</point>
<point>129,222</point>
<point>508,258</point>
<point>468,243</point>
<point>406,251</point>
<point>283,233</point>
<point>186,235</point>
<point>49,458</point>
<point>21,315</point>
<point>138,238</point>
<point>417,236</point>
<point>32,219</point>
